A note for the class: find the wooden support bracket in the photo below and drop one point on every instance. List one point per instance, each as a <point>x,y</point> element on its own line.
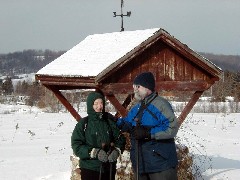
<point>189,106</point>
<point>64,101</point>
<point>126,103</point>
<point>117,105</point>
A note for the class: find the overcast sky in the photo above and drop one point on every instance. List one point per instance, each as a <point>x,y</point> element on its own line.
<point>204,25</point>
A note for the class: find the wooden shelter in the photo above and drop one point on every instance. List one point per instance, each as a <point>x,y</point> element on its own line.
<point>110,62</point>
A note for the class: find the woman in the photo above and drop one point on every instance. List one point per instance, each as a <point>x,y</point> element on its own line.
<point>97,141</point>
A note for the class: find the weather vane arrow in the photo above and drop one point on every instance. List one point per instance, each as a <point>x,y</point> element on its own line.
<point>122,15</point>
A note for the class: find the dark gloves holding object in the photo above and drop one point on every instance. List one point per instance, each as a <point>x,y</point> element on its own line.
<point>141,132</point>
<point>111,156</point>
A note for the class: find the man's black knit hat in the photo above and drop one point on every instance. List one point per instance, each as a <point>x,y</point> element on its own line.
<point>146,80</point>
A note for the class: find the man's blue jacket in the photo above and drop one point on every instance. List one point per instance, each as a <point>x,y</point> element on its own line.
<point>158,153</point>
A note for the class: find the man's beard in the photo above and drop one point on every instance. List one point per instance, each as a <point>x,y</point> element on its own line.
<point>140,95</point>
<point>137,96</point>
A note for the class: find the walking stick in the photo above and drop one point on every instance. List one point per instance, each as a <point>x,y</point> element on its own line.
<point>111,163</point>
<point>101,166</point>
<point>137,152</point>
<point>100,173</point>
<point>111,166</point>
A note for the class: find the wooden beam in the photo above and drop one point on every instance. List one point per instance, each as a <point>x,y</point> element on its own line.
<point>126,88</point>
<point>183,85</point>
<point>64,87</point>
<point>126,103</point>
<point>128,100</point>
<point>189,106</point>
<point>78,82</point>
<point>81,79</point>
<point>117,105</point>
<point>70,84</point>
<point>64,101</point>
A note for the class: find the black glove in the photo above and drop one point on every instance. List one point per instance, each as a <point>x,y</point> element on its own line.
<point>111,117</point>
<point>141,132</point>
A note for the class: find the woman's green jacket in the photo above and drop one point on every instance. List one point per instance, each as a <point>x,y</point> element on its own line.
<point>95,131</point>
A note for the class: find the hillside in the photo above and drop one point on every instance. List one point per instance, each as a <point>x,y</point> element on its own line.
<point>225,62</point>
<point>26,62</point>
<point>30,61</point>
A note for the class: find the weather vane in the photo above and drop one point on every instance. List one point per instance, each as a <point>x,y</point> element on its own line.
<point>128,15</point>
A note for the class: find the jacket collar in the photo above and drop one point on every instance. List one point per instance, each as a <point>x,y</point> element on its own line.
<point>150,98</point>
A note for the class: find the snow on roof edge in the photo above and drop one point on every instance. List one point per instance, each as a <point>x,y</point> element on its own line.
<point>80,60</point>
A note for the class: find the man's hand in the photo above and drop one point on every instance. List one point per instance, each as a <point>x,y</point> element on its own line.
<point>112,118</point>
<point>141,132</point>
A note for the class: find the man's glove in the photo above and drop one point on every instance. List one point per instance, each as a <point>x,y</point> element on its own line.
<point>111,117</point>
<point>114,154</point>
<point>141,132</point>
<point>100,154</point>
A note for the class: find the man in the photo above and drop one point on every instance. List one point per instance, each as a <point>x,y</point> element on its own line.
<point>152,126</point>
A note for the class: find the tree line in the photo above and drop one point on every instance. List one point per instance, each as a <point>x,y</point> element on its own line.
<point>27,61</point>
<point>225,62</point>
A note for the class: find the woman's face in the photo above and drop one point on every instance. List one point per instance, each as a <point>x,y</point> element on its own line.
<point>98,105</point>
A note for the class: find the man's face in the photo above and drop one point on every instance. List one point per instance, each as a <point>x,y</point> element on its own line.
<point>139,92</point>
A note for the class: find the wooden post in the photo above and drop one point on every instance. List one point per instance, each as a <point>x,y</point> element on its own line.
<point>189,106</point>
<point>117,105</point>
<point>64,101</point>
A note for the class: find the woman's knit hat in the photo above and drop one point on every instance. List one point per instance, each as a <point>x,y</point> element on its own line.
<point>145,79</point>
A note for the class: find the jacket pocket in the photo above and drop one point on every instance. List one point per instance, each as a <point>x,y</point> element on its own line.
<point>161,154</point>
<point>162,150</point>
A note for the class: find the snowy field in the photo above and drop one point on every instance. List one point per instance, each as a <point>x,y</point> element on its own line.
<point>36,145</point>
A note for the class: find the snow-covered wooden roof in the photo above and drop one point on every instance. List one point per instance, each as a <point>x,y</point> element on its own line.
<point>97,54</point>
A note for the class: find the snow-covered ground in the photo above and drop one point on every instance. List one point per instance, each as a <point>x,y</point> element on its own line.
<point>214,139</point>
<point>36,145</point>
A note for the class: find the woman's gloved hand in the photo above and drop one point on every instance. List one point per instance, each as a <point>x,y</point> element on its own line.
<point>99,154</point>
<point>114,154</point>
